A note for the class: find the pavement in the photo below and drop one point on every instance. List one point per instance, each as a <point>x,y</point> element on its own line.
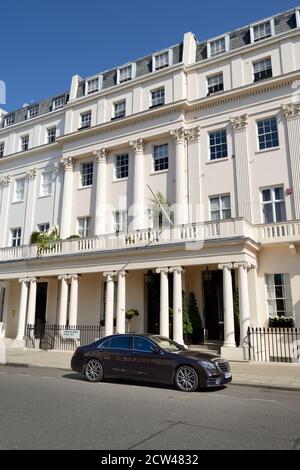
<point>258,374</point>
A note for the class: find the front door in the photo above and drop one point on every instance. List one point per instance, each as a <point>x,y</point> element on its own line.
<point>40,308</point>
<point>213,302</point>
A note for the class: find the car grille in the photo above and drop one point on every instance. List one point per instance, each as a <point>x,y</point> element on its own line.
<point>222,365</point>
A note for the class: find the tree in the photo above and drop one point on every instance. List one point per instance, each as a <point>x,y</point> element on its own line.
<point>186,321</point>
<point>130,314</point>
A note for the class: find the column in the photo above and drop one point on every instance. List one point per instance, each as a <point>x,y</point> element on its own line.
<point>109,303</point>
<point>73,300</point>
<point>244,305</point>
<point>121,302</point>
<point>31,301</point>
<point>229,338</point>
<point>138,210</point>
<point>292,114</point>
<point>242,169</point>
<point>22,309</point>
<point>164,302</point>
<point>100,199</point>
<point>5,184</point>
<point>31,178</point>
<point>63,300</point>
<point>66,209</point>
<point>177,304</point>
<point>181,215</point>
<point>194,176</point>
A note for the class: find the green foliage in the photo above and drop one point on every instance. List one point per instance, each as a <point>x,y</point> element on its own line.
<point>194,312</point>
<point>44,239</point>
<point>73,237</point>
<point>130,314</point>
<point>34,238</point>
<point>187,324</point>
<point>236,311</point>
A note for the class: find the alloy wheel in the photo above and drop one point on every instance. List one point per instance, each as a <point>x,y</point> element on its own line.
<point>186,379</point>
<point>94,371</point>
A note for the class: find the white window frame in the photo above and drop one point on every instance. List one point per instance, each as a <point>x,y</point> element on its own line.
<point>133,73</point>
<point>258,135</point>
<point>221,209</point>
<point>16,193</point>
<point>260,61</point>
<point>44,185</point>
<point>154,91</point>
<point>287,298</point>
<point>211,77</point>
<point>91,79</point>
<point>53,128</point>
<point>120,225</point>
<point>167,158</point>
<point>81,116</point>
<point>86,175</point>
<point>116,103</point>
<point>297,13</point>
<point>17,238</point>
<point>58,103</point>
<point>33,112</point>
<point>86,228</point>
<point>2,149</point>
<point>226,37</point>
<point>170,59</point>
<point>258,23</point>
<point>272,202</point>
<point>124,154</point>
<point>9,120</point>
<point>22,138</point>
<point>42,227</point>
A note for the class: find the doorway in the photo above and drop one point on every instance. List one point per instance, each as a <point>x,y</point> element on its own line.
<point>213,305</point>
<point>152,282</point>
<point>40,308</point>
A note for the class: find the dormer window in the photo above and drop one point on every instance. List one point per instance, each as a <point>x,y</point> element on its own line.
<point>92,85</point>
<point>124,74</point>
<point>33,112</point>
<point>162,60</point>
<point>58,103</point>
<point>297,18</point>
<point>218,46</point>
<point>261,31</point>
<point>9,120</point>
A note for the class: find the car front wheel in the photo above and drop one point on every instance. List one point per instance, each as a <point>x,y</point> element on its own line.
<point>93,371</point>
<point>186,379</point>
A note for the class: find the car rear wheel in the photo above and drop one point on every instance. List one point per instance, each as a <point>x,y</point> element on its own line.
<point>93,371</point>
<point>186,379</point>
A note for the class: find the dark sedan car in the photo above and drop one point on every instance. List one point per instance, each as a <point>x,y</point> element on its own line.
<point>150,358</point>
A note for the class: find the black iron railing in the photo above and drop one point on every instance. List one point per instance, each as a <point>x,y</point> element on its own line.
<point>61,337</point>
<point>274,344</point>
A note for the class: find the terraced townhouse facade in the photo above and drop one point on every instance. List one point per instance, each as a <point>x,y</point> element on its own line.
<point>178,172</point>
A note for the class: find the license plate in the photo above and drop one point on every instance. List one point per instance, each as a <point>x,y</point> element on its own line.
<point>227,375</point>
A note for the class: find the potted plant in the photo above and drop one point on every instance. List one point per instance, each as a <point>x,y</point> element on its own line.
<point>194,315</point>
<point>130,314</point>
<point>186,321</point>
<point>281,322</point>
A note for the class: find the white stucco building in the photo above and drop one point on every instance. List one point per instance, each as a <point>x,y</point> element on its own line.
<point>213,129</point>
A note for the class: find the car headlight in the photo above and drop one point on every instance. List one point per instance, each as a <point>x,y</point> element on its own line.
<point>208,365</point>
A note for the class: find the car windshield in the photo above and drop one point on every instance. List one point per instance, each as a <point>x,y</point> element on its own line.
<point>167,344</point>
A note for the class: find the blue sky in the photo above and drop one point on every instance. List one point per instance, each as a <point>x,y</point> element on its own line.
<point>45,42</point>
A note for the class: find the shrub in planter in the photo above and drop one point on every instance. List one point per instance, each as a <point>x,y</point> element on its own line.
<point>130,314</point>
<point>281,322</point>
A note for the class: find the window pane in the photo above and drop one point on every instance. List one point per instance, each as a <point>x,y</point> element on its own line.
<point>141,344</point>
<point>120,342</point>
<point>266,195</point>
<point>268,213</point>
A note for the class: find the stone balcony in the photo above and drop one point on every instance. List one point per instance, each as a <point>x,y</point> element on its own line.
<point>224,230</point>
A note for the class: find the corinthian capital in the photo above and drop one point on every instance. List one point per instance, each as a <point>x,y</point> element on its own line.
<point>32,173</point>
<point>5,181</point>
<point>137,145</point>
<point>101,154</point>
<point>239,122</point>
<point>193,133</point>
<point>291,109</point>
<point>67,163</point>
<point>179,134</point>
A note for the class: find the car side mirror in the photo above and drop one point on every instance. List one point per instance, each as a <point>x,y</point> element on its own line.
<point>154,349</point>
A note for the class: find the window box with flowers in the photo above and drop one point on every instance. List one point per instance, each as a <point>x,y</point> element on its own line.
<point>281,322</point>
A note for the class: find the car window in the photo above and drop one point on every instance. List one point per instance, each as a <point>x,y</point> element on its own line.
<point>120,342</point>
<point>105,344</point>
<point>142,344</point>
